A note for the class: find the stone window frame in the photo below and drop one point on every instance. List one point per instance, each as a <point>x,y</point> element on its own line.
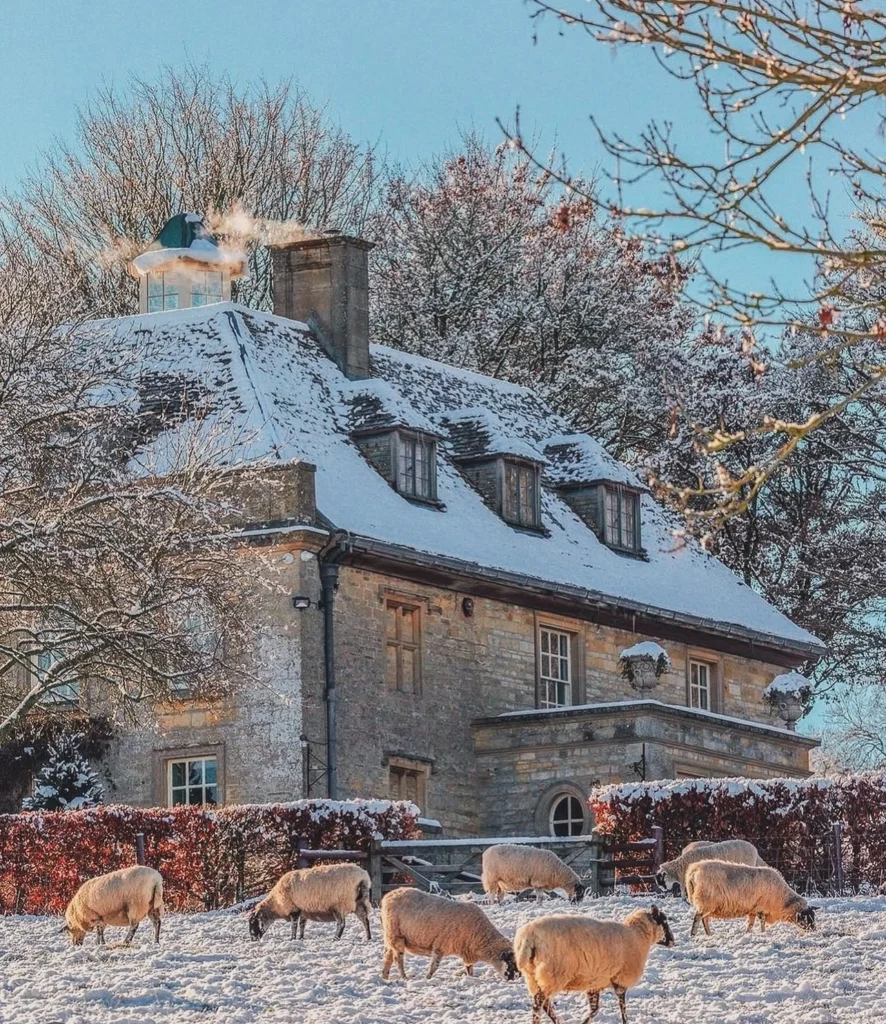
<point>391,599</point>
<point>715,679</point>
<point>161,770</point>
<point>545,806</point>
<point>576,652</point>
<point>419,768</point>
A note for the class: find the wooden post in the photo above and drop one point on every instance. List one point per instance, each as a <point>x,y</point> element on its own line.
<point>658,853</point>
<point>140,848</point>
<point>375,872</point>
<point>838,857</point>
<point>596,857</point>
<point>296,853</point>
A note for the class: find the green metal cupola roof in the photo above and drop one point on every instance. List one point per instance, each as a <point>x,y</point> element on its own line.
<point>180,231</point>
<point>184,240</point>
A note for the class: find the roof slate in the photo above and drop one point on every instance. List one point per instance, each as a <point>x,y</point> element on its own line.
<point>266,383</point>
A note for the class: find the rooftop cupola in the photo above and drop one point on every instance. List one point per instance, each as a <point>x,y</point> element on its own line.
<point>185,266</point>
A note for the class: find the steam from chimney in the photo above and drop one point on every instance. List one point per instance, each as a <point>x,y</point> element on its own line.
<point>239,227</point>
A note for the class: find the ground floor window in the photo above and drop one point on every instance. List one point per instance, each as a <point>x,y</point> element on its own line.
<point>567,816</point>
<point>193,781</point>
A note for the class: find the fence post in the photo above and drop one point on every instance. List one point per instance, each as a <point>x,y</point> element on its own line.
<point>658,852</point>
<point>838,857</point>
<point>594,866</point>
<point>375,873</point>
<point>296,852</point>
<point>140,848</point>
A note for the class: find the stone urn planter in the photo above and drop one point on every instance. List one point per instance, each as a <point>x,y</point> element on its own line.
<point>789,695</point>
<point>643,665</point>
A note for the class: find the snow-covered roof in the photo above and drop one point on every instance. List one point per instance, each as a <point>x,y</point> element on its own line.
<point>185,239</point>
<point>268,382</point>
<point>577,459</point>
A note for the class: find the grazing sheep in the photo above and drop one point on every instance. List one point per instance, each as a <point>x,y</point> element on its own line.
<point>121,897</point>
<point>571,953</point>
<point>717,888</point>
<point>327,892</point>
<point>512,868</point>
<point>417,922</point>
<point>736,851</point>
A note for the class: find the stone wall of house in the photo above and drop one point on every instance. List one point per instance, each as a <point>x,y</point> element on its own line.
<point>526,762</point>
<point>485,665</point>
<point>254,733</point>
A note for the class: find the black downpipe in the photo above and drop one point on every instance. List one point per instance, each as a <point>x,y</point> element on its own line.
<point>329,584</point>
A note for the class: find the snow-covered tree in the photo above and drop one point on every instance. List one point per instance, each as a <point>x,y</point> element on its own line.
<point>484,264</point>
<point>102,560</point>
<point>261,162</point>
<point>67,781</point>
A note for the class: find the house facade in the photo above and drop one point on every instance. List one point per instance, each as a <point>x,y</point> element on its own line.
<point>454,577</point>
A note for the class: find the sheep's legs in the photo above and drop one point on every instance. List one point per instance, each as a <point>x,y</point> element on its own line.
<point>540,1003</point>
<point>695,922</point>
<point>301,928</point>
<point>751,919</point>
<point>593,1006</point>
<point>100,933</point>
<point>469,970</point>
<point>339,925</point>
<point>133,928</point>
<point>386,963</point>
<point>155,921</point>
<point>294,919</point>
<point>539,895</point>
<point>433,964</point>
<point>362,913</point>
<point>620,993</point>
<point>762,918</point>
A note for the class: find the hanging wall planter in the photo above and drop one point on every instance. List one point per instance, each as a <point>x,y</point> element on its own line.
<point>790,696</point>
<point>643,665</point>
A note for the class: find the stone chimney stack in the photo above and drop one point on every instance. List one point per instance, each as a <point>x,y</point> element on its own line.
<point>324,282</point>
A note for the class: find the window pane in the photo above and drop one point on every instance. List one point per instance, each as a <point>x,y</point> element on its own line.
<point>195,796</point>
<point>408,666</point>
<point>179,797</point>
<point>611,519</point>
<point>391,669</point>
<point>195,773</point>
<point>178,773</point>
<point>211,795</point>
<point>629,502</point>
<point>210,769</point>
<point>155,285</point>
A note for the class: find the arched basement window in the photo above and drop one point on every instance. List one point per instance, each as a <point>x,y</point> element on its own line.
<point>567,816</point>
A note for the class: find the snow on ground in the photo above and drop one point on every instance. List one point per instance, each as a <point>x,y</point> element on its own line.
<point>206,969</point>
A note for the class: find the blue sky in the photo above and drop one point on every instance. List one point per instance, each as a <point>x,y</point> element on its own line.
<point>405,73</point>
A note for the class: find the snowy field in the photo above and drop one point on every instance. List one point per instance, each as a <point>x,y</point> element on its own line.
<point>207,970</point>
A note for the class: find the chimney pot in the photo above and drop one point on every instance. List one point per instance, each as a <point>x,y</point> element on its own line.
<point>324,282</point>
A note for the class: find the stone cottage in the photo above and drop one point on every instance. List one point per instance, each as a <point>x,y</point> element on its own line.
<point>475,607</point>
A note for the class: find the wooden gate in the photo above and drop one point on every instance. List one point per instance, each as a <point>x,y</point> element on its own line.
<point>453,865</point>
<point>632,863</point>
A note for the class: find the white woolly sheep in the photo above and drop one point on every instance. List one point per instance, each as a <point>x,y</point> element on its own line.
<point>571,953</point>
<point>327,892</point>
<point>417,922</point>
<point>512,868</point>
<point>719,889</point>
<point>124,897</point>
<point>736,851</point>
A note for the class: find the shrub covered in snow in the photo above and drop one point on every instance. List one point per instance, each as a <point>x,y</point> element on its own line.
<point>67,782</point>
<point>208,858</point>
<point>790,821</point>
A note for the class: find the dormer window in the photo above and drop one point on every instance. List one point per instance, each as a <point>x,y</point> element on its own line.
<point>415,459</point>
<point>621,520</point>
<point>520,496</point>
<point>206,287</point>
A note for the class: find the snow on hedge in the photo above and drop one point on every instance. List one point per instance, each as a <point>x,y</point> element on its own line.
<point>667,788</point>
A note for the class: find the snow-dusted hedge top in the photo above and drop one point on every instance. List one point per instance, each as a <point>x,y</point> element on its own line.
<point>789,820</point>
<point>208,857</point>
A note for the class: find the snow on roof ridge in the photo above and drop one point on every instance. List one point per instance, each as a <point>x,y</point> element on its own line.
<point>500,440</point>
<point>455,371</point>
<point>188,313</point>
<point>594,461</point>
<point>393,402</point>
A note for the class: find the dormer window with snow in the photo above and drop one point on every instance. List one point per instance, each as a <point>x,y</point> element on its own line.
<point>399,443</point>
<point>184,267</point>
<point>604,494</point>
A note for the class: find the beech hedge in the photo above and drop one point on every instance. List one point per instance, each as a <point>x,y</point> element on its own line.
<point>790,821</point>
<point>209,858</point>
